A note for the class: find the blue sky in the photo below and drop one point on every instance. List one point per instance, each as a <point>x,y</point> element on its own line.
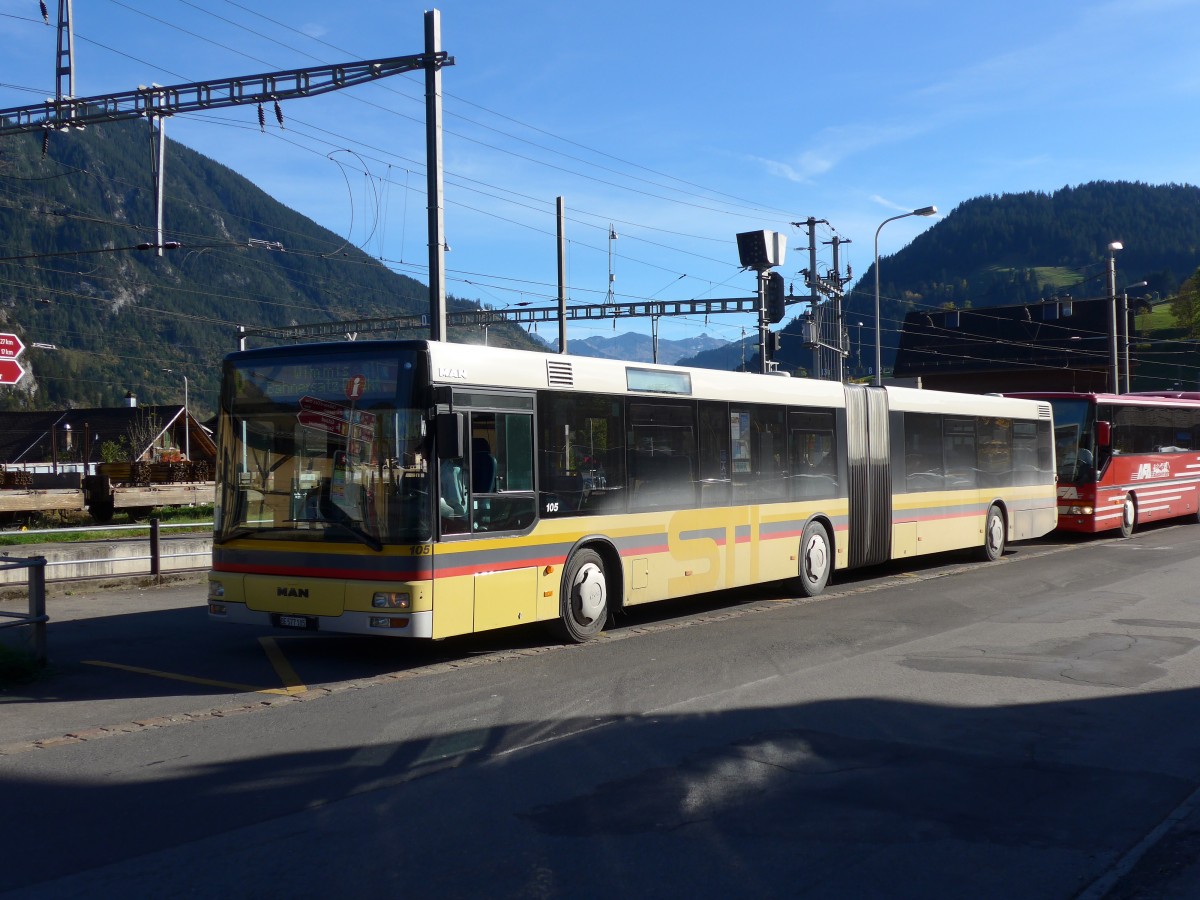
<point>681,124</point>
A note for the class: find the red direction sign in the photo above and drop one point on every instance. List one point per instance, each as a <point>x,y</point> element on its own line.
<point>315,404</point>
<point>10,348</point>
<point>334,425</point>
<point>10,370</point>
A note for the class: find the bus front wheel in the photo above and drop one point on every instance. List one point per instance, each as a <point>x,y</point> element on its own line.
<point>993,535</point>
<point>816,560</point>
<point>583,606</point>
<point>1128,516</point>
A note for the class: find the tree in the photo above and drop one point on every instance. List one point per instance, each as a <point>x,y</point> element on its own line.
<point>1186,305</point>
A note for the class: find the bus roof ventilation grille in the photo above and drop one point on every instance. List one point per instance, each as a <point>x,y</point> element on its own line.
<point>1044,411</point>
<point>559,373</point>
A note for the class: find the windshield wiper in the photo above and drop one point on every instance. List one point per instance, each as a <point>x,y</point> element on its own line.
<point>362,535</point>
<point>241,532</point>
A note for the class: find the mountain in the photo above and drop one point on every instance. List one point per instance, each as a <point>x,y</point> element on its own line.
<point>101,319</point>
<point>108,319</point>
<point>1009,249</point>
<point>640,347</point>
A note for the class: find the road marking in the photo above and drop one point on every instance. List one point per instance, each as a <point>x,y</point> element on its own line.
<point>445,667</point>
<point>291,681</point>
<point>209,682</point>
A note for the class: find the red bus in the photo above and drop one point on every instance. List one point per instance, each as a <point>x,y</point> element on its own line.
<point>1125,459</point>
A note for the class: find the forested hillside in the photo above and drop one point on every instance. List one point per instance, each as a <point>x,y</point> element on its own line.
<point>1020,248</point>
<point>118,316</point>
<point>1008,249</point>
<point>1001,250</point>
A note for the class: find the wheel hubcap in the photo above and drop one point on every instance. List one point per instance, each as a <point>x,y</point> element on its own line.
<point>589,594</point>
<point>816,558</point>
<point>995,533</point>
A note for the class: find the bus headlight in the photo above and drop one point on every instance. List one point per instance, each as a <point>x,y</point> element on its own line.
<point>1077,510</point>
<point>216,590</point>
<point>392,600</point>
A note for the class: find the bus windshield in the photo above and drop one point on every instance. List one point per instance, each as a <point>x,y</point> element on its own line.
<point>1074,440</point>
<point>328,450</point>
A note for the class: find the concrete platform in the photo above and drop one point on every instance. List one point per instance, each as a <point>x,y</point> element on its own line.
<point>114,557</point>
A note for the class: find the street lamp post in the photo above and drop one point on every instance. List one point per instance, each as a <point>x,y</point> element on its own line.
<point>858,349</point>
<point>923,211</point>
<point>1114,375</point>
<point>1125,332</point>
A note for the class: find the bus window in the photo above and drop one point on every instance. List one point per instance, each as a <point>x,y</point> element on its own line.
<point>1027,463</point>
<point>923,469</point>
<point>994,451</point>
<point>759,454</point>
<point>452,487</point>
<point>714,454</point>
<point>502,497</point>
<point>581,454</point>
<point>1074,427</point>
<point>662,456</point>
<point>959,451</point>
<point>812,464</point>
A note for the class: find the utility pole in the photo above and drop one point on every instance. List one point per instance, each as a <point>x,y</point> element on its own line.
<point>432,63</point>
<point>64,72</point>
<point>825,339</point>
<point>835,282</point>
<point>814,305</point>
<point>562,274</point>
<point>158,101</point>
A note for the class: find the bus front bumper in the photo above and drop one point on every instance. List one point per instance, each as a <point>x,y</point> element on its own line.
<point>411,624</point>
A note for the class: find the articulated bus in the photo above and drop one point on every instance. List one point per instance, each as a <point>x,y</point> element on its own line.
<point>429,489</point>
<point>1124,459</point>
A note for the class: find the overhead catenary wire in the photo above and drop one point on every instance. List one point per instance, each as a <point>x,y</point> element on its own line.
<point>156,18</point>
<point>401,263</point>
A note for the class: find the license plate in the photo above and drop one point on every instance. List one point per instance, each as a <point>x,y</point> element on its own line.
<point>293,622</point>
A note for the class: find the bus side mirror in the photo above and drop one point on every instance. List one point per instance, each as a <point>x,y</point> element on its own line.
<point>449,435</point>
<point>1104,433</point>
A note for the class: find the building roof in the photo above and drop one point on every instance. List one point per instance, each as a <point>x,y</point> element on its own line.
<point>25,437</point>
<point>1056,344</point>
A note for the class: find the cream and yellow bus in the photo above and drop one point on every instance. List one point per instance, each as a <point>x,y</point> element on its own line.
<point>429,489</point>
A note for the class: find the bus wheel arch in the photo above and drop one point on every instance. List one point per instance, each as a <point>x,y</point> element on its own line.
<point>590,592</point>
<point>1128,515</point>
<point>816,557</point>
<point>995,531</point>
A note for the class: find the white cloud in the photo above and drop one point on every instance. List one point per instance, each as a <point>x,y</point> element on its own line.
<point>833,145</point>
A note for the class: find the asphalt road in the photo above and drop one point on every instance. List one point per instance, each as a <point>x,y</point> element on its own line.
<point>1024,728</point>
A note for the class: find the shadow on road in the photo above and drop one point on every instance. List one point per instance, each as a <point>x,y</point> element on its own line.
<point>861,798</point>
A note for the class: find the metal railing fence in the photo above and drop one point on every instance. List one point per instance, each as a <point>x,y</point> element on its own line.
<point>154,557</point>
<point>35,617</point>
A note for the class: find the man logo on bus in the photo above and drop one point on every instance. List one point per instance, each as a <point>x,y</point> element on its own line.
<point>1149,471</point>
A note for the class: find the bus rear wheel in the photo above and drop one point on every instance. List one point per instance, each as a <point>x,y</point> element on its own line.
<point>993,534</point>
<point>1128,516</point>
<point>583,603</point>
<point>816,560</point>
